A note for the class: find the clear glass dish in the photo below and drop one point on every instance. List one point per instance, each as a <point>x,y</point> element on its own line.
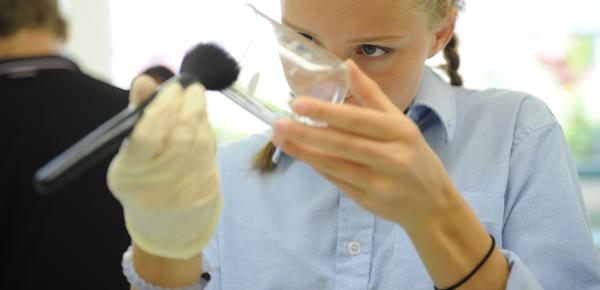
<point>279,64</point>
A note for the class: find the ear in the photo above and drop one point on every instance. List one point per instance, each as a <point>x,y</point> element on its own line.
<point>442,36</point>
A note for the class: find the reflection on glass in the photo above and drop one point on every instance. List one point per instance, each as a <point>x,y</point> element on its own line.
<point>278,65</point>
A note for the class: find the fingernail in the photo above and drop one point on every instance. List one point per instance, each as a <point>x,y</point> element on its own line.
<point>299,107</point>
<point>281,125</point>
<point>354,70</point>
<point>350,62</point>
<point>276,139</point>
<point>279,129</point>
<point>351,65</point>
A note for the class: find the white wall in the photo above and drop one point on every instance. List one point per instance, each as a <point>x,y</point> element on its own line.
<point>89,42</point>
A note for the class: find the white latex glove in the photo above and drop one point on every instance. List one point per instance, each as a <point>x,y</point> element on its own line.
<point>165,174</point>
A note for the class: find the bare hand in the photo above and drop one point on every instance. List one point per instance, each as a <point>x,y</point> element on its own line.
<point>373,152</point>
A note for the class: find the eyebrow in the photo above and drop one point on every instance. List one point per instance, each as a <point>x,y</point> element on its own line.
<point>355,40</point>
<point>376,38</point>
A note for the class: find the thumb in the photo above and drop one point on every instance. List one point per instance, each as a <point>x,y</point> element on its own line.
<point>142,88</point>
<point>366,90</point>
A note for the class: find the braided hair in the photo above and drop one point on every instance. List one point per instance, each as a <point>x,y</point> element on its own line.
<point>263,160</point>
<point>452,61</point>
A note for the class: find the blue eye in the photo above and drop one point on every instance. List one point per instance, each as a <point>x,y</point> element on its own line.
<point>372,50</point>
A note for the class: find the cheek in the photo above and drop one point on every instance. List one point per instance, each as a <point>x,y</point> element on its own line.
<point>402,88</point>
<point>399,78</point>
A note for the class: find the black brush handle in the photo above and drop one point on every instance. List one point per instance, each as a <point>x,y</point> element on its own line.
<point>87,152</point>
<point>94,147</point>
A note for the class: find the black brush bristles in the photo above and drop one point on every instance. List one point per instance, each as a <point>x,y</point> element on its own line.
<point>210,65</point>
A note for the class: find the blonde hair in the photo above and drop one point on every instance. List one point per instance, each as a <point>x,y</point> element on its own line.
<point>439,11</point>
<point>443,12</point>
<point>18,14</point>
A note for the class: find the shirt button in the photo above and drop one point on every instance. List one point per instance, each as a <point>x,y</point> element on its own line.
<point>354,248</point>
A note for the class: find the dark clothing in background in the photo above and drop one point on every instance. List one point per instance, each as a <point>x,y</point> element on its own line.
<point>74,238</point>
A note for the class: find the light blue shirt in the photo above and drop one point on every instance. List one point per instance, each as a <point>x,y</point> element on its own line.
<point>505,153</point>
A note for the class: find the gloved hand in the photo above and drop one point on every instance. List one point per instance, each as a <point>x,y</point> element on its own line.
<point>165,174</point>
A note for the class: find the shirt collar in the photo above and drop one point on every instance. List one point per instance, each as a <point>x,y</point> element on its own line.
<point>27,67</point>
<point>437,96</point>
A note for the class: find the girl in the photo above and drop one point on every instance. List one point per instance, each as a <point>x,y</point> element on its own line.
<point>414,184</point>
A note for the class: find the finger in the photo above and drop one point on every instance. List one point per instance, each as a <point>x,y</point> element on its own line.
<point>360,196</point>
<point>356,120</point>
<point>142,88</point>
<point>161,115</point>
<point>367,91</point>
<point>193,133</point>
<point>157,122</point>
<point>193,110</point>
<point>354,192</point>
<point>353,173</point>
<point>333,142</point>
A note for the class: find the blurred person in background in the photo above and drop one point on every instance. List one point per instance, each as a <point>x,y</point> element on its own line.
<point>47,105</point>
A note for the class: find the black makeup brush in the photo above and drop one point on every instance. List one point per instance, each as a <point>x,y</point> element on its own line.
<point>207,64</point>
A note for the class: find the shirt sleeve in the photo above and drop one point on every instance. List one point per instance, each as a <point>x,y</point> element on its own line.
<point>546,236</point>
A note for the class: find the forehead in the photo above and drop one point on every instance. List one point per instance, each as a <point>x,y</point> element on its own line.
<point>351,16</point>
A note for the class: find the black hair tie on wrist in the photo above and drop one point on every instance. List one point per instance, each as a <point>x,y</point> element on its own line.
<point>465,279</point>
